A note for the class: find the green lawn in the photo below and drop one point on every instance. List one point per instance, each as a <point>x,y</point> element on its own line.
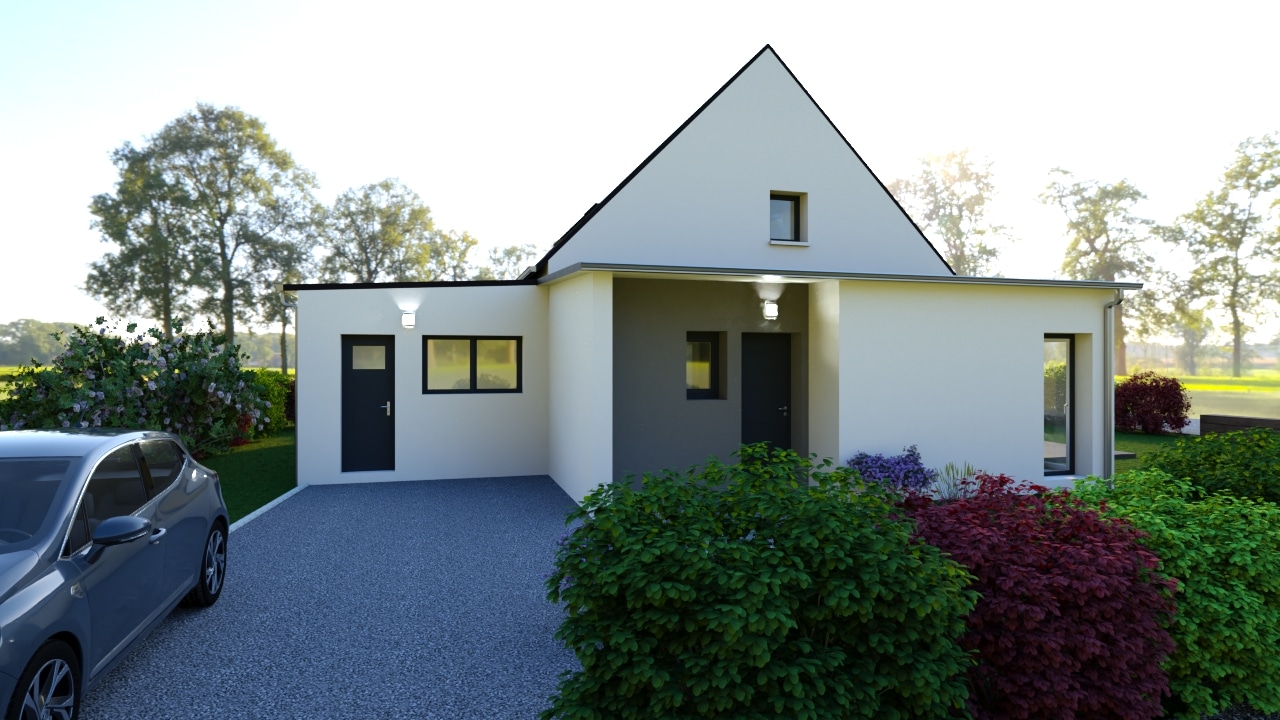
<point>1140,444</point>
<point>255,474</point>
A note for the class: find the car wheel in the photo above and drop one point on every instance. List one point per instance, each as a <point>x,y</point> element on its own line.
<point>213,569</point>
<point>49,687</point>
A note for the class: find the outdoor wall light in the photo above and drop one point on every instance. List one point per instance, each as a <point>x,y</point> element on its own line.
<point>770,309</point>
<point>408,318</point>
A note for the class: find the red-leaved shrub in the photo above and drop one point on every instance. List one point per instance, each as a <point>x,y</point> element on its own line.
<point>1073,613</point>
<point>1151,403</point>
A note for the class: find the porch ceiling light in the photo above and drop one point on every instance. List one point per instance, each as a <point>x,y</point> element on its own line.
<point>770,309</point>
<point>407,319</point>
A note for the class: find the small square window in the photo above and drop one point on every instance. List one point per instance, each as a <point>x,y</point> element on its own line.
<point>702,366</point>
<point>784,218</point>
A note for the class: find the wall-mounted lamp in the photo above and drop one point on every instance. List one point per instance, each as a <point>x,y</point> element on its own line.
<point>407,319</point>
<point>770,309</point>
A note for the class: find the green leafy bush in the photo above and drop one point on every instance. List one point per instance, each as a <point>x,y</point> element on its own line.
<point>276,389</point>
<point>192,386</point>
<point>1225,552</point>
<point>745,591</point>
<point>1244,463</point>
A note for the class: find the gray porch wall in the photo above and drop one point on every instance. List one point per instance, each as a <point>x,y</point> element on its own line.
<point>654,425</point>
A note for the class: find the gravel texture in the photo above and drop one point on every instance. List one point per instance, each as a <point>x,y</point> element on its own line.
<point>390,600</point>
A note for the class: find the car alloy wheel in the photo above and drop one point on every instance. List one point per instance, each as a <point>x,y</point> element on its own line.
<point>215,561</point>
<point>48,686</point>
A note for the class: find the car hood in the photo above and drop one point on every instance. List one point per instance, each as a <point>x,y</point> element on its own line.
<point>14,566</point>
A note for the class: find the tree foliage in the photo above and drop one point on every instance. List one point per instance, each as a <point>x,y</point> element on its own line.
<point>378,232</point>
<point>948,198</point>
<point>508,263</point>
<point>151,271</point>
<point>1234,240</point>
<point>1104,236</point>
<point>24,341</point>
<point>191,210</point>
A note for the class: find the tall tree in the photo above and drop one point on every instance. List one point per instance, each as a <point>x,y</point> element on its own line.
<point>449,256</point>
<point>239,192</point>
<point>1104,237</point>
<point>948,199</point>
<point>1234,241</point>
<point>150,272</point>
<point>276,265</point>
<point>379,232</point>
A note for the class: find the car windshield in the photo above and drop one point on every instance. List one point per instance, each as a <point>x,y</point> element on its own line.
<point>28,487</point>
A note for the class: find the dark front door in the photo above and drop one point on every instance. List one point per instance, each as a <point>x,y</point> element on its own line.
<point>368,411</point>
<point>766,388</point>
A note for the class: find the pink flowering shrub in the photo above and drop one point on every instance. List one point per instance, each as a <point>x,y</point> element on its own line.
<point>192,385</point>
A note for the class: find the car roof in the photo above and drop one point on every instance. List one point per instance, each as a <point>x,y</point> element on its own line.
<point>68,442</point>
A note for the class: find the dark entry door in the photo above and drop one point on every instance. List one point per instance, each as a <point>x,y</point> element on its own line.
<point>368,412</point>
<point>766,388</point>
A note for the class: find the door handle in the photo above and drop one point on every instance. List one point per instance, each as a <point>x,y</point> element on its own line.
<point>155,536</point>
<point>785,410</point>
<point>386,407</point>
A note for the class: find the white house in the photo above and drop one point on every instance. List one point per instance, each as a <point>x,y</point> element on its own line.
<point>750,280</point>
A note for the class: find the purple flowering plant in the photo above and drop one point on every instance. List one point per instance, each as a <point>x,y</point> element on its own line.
<point>898,472</point>
<point>141,381</point>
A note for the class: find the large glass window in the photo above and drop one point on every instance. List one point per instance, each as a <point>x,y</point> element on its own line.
<point>471,364</point>
<point>1058,427</point>
<point>28,487</point>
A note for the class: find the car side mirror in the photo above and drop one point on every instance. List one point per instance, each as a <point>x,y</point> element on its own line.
<point>117,531</point>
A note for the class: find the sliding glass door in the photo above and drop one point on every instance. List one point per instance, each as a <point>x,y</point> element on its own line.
<point>1058,426</point>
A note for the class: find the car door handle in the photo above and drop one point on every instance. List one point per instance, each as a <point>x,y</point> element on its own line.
<point>155,536</point>
<point>386,407</point>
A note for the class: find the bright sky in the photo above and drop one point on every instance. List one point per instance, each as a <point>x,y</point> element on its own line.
<point>511,120</point>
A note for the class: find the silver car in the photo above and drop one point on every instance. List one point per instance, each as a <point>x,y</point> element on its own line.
<point>102,533</point>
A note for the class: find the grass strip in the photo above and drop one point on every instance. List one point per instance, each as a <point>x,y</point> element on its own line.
<point>255,474</point>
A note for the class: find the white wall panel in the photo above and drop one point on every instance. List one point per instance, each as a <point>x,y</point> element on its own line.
<point>437,436</point>
<point>958,371</point>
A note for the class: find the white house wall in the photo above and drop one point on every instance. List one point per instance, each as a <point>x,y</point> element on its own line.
<point>437,436</point>
<point>581,382</point>
<point>703,201</point>
<point>958,371</point>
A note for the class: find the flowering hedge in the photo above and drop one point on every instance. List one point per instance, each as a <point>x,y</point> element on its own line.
<point>192,385</point>
<point>899,472</point>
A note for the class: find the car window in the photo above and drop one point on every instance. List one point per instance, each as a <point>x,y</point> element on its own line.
<point>79,535</point>
<point>28,487</point>
<point>164,461</point>
<point>116,488</point>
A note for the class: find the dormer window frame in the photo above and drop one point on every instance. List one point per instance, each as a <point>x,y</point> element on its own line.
<point>798,229</point>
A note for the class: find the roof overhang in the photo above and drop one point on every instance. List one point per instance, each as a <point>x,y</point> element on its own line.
<point>807,276</point>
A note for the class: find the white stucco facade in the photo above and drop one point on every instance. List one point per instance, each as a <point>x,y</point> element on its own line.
<point>883,347</point>
<point>437,436</point>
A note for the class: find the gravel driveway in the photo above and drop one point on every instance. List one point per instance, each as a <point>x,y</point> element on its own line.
<point>389,600</point>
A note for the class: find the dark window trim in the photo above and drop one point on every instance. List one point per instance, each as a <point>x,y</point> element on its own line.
<point>795,217</point>
<point>712,393</point>
<point>473,390</point>
<point>1071,403</point>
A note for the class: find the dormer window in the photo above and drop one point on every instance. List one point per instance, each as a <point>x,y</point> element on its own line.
<point>786,217</point>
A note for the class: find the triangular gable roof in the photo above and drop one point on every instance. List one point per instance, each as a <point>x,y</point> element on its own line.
<point>541,268</point>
